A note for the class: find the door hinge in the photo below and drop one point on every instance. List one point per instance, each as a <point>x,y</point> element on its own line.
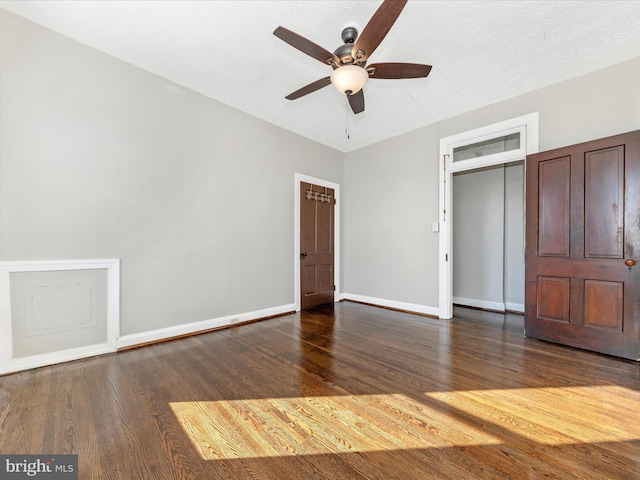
<point>334,288</point>
<point>446,257</point>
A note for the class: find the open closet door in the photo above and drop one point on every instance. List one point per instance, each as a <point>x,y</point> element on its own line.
<point>583,241</point>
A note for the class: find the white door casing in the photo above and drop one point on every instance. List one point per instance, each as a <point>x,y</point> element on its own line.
<point>298,179</point>
<point>527,128</point>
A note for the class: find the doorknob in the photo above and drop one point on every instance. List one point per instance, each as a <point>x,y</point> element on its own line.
<point>304,254</point>
<point>630,263</point>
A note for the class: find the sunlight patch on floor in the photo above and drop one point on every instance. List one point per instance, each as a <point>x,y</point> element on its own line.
<point>551,416</point>
<point>277,427</point>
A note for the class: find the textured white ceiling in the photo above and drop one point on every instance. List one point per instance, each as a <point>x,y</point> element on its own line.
<point>481,51</point>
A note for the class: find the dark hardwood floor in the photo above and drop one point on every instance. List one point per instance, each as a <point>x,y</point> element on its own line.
<point>344,392</point>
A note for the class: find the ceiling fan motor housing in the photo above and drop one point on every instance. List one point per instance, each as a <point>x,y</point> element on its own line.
<point>343,52</point>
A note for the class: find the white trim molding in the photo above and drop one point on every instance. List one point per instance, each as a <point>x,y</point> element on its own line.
<point>484,304</point>
<point>8,363</point>
<point>497,306</point>
<point>161,334</point>
<point>381,302</point>
<point>514,307</point>
<point>527,127</point>
<point>298,179</point>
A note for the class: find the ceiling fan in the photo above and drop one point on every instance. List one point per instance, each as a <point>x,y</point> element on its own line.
<point>349,61</point>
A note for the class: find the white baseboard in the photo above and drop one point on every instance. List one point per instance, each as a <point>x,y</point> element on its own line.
<point>409,307</point>
<point>45,359</point>
<point>474,302</point>
<point>514,307</point>
<point>497,306</point>
<point>195,327</point>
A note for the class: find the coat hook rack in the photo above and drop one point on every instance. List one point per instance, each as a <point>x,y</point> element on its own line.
<point>318,197</point>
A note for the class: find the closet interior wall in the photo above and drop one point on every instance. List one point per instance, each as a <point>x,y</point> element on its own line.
<point>488,237</point>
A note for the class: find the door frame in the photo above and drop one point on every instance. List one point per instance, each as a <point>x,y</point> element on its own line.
<point>302,178</point>
<point>527,127</point>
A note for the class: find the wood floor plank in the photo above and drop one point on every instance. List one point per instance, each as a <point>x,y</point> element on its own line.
<point>341,392</point>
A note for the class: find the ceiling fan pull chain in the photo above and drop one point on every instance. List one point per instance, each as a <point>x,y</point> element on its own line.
<point>346,116</point>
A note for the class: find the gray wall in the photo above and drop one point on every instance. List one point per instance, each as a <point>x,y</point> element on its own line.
<point>592,106</point>
<point>390,201</point>
<point>99,159</point>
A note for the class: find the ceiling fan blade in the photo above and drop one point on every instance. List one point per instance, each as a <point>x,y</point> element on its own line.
<point>312,87</point>
<point>398,70</point>
<point>377,29</point>
<point>305,46</point>
<point>356,100</point>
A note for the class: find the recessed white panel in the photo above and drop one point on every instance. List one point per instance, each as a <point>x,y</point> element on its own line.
<point>57,310</point>
<point>61,305</point>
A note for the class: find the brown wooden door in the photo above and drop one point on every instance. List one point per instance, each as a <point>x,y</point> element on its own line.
<point>583,224</point>
<point>316,245</point>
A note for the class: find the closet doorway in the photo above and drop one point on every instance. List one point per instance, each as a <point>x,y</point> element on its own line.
<point>494,145</point>
<point>488,237</point>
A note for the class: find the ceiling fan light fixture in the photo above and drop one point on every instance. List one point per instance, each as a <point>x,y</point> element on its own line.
<point>349,78</point>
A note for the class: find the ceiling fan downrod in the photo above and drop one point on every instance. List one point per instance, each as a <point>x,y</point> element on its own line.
<point>343,52</point>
